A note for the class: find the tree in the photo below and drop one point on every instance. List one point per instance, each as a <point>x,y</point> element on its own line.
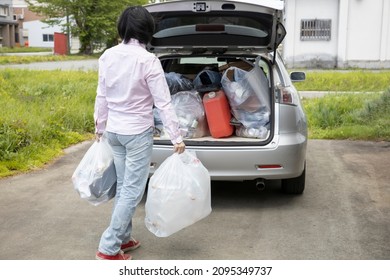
<point>93,21</point>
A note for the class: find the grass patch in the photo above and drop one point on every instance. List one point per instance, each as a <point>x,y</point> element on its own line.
<point>349,116</point>
<point>345,81</point>
<point>24,49</point>
<point>16,59</point>
<point>42,113</point>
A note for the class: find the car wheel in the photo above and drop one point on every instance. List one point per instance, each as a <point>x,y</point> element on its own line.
<point>295,185</point>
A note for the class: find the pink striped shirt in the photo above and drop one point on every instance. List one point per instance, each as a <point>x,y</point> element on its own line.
<point>131,80</point>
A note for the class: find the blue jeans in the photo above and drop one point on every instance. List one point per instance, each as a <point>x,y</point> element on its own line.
<point>132,155</point>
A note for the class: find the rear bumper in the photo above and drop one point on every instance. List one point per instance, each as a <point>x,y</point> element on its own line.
<point>240,163</point>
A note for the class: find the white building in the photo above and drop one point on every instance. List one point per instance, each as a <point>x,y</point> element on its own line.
<point>320,33</point>
<point>337,33</point>
<point>40,34</point>
<point>33,32</point>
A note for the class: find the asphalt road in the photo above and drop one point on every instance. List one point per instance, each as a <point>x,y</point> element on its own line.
<point>83,65</point>
<point>343,214</point>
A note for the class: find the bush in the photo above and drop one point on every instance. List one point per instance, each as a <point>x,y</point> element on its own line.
<point>13,137</point>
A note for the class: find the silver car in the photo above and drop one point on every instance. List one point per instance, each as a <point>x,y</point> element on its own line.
<point>269,136</point>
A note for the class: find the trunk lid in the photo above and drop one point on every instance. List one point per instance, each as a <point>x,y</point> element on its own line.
<point>219,26</point>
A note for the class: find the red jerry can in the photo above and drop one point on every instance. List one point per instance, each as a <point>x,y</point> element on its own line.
<point>218,114</point>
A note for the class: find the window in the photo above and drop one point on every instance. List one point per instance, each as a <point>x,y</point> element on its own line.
<point>200,60</point>
<point>48,38</point>
<point>4,11</point>
<point>316,29</point>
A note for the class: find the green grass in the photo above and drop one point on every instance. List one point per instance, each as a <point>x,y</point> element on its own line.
<point>15,59</point>
<point>25,59</point>
<point>345,81</point>
<point>42,113</point>
<point>24,49</point>
<point>349,116</point>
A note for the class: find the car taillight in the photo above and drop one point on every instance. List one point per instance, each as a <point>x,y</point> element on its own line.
<point>288,96</point>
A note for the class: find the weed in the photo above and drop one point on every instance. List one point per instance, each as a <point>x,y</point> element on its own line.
<point>346,81</point>
<point>42,113</point>
<point>349,116</point>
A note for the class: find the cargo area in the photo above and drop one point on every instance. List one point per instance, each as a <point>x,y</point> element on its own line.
<point>219,100</point>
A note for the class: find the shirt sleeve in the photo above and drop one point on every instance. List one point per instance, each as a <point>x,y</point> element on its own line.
<point>101,108</point>
<point>159,89</point>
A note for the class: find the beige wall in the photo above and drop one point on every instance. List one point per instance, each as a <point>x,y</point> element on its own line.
<point>360,34</point>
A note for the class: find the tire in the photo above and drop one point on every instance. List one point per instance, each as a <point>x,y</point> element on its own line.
<point>294,185</point>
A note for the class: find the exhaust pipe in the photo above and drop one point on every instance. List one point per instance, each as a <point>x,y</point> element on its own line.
<point>260,184</point>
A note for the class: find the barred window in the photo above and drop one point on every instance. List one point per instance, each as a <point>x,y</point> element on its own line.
<point>316,29</point>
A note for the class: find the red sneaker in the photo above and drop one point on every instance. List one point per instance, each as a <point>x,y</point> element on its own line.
<point>131,245</point>
<point>118,257</point>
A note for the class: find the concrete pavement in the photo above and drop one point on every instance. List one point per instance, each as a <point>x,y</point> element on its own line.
<point>343,214</point>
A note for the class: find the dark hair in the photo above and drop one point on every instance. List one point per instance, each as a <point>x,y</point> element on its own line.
<point>137,23</point>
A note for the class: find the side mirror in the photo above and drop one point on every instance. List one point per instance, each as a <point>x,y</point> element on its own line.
<point>297,76</point>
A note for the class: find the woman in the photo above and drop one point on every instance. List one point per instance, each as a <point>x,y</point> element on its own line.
<point>131,80</point>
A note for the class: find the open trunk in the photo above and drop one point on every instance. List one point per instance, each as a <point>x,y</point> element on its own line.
<point>199,40</point>
<point>244,81</point>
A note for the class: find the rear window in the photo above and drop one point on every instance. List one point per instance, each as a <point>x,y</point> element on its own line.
<point>201,60</point>
<point>193,19</point>
<point>199,29</point>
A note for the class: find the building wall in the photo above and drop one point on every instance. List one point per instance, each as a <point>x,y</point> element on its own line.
<point>299,53</point>
<point>23,14</point>
<point>36,29</point>
<point>8,25</point>
<point>19,3</point>
<point>6,2</point>
<point>367,43</point>
<point>360,34</point>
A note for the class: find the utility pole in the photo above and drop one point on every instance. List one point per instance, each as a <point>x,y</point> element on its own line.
<point>67,32</point>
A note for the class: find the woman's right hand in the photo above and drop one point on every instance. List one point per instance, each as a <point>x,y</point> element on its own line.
<point>179,147</point>
<point>98,136</point>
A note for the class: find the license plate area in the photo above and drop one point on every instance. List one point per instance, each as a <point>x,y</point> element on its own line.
<point>201,7</point>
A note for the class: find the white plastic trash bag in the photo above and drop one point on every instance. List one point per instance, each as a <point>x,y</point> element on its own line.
<point>95,176</point>
<point>248,91</point>
<point>190,112</point>
<point>178,194</point>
